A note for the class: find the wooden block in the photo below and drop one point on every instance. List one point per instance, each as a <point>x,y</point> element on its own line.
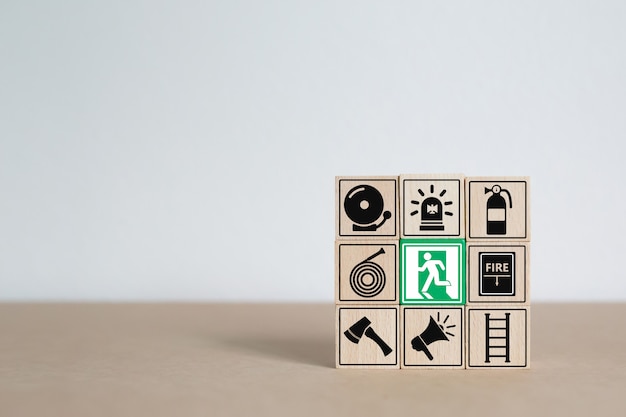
<point>498,336</point>
<point>432,271</point>
<point>367,336</point>
<point>498,208</point>
<point>366,271</point>
<point>366,207</point>
<point>498,272</point>
<point>432,206</point>
<point>433,337</point>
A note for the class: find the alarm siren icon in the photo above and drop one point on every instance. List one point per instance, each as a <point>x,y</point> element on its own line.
<point>432,209</point>
<point>364,205</point>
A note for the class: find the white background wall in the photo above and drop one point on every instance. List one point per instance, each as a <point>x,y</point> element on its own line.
<point>186,150</point>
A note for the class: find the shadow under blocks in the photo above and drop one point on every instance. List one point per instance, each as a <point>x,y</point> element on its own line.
<point>432,272</point>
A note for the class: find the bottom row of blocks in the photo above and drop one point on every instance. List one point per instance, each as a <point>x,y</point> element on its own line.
<point>434,337</point>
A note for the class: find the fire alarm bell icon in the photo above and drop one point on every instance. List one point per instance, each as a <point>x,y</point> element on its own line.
<point>364,205</point>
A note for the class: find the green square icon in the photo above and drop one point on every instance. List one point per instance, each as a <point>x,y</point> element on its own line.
<point>432,271</point>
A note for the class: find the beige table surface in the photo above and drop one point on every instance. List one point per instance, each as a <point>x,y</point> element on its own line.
<point>225,360</point>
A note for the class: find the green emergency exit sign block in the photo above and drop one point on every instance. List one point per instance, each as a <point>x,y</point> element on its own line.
<point>432,271</point>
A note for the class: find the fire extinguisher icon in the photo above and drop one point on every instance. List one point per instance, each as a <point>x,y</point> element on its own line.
<point>496,210</point>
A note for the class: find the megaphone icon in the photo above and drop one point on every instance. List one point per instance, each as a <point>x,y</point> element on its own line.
<point>433,332</point>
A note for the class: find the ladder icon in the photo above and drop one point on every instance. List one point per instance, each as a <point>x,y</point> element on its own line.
<point>497,337</point>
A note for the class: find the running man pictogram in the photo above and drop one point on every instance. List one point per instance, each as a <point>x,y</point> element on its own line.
<point>432,265</point>
<point>432,271</point>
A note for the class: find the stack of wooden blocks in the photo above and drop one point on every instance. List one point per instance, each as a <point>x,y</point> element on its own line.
<point>432,272</point>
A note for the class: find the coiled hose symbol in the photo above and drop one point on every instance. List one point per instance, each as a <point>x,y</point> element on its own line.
<point>367,278</point>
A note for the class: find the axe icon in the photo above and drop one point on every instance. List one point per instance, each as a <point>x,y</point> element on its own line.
<point>362,327</point>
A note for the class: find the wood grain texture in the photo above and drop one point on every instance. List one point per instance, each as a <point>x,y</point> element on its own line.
<point>498,208</point>
<point>368,337</point>
<point>435,331</point>
<point>498,336</point>
<point>498,272</point>
<point>366,271</point>
<point>366,207</point>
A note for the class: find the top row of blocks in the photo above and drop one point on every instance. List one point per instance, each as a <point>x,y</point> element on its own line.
<point>391,207</point>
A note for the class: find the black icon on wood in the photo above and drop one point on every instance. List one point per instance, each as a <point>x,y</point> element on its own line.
<point>496,210</point>
<point>367,278</point>
<point>363,327</point>
<point>364,205</point>
<point>432,210</point>
<point>497,334</point>
<point>433,332</point>
<point>497,273</point>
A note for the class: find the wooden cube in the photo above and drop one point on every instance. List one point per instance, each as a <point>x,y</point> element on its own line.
<point>432,206</point>
<point>366,271</point>
<point>366,207</point>
<point>498,272</point>
<point>433,337</point>
<point>498,208</point>
<point>498,336</point>
<point>432,271</point>
<point>367,336</point>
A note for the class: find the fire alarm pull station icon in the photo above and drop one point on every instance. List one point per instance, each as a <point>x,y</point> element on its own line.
<point>496,210</point>
<point>497,276</point>
<point>364,205</point>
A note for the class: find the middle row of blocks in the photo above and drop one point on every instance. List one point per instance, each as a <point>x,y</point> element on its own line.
<point>431,272</point>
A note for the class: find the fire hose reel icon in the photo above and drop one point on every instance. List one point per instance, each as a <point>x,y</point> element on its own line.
<point>367,278</point>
